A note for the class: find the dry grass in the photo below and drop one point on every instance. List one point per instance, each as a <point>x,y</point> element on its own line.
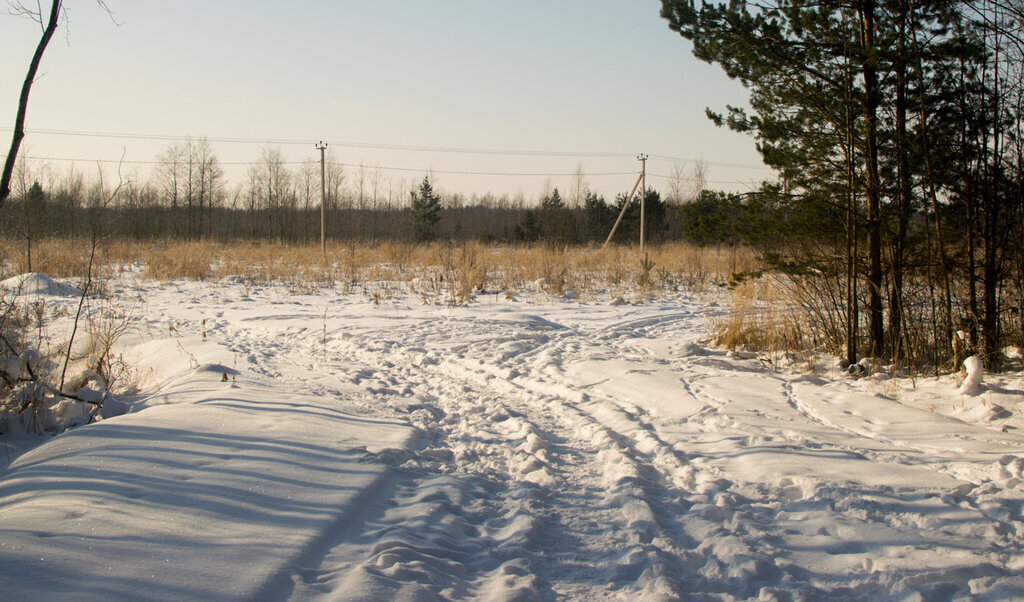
<point>764,317</point>
<point>179,261</point>
<point>456,270</point>
<point>57,258</point>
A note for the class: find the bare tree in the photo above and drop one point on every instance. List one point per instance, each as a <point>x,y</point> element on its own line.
<point>48,27</point>
<point>676,184</point>
<point>307,186</point>
<point>253,179</point>
<point>209,175</point>
<point>170,173</point>
<point>685,185</point>
<point>698,179</point>
<point>19,121</point>
<point>335,177</point>
<point>276,180</point>
<point>579,186</point>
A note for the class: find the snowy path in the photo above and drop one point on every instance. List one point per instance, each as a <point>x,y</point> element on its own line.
<point>543,494</point>
<point>587,451</point>
<point>541,472</point>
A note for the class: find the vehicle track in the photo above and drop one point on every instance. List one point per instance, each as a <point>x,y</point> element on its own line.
<point>536,476</point>
<point>525,485</point>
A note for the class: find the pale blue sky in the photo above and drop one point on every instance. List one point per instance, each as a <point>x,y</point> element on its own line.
<point>562,76</point>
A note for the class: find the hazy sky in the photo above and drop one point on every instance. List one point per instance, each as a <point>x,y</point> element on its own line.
<point>396,85</point>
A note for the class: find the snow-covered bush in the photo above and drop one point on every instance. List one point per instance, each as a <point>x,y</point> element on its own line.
<point>49,385</point>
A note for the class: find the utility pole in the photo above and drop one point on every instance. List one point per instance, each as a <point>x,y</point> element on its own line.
<point>323,199</point>
<point>623,212</point>
<point>643,196</point>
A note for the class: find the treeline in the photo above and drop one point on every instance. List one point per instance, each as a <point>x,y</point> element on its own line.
<point>895,128</point>
<point>187,199</point>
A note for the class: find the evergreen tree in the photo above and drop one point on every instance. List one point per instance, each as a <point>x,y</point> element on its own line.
<point>529,228</point>
<point>556,220</point>
<point>655,212</point>
<point>426,212</point>
<point>598,218</point>
<point>830,87</point>
<point>34,216</point>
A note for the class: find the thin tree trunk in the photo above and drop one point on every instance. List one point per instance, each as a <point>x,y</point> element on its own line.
<point>933,198</point>
<point>990,207</point>
<point>876,325</point>
<point>852,317</point>
<point>26,87</point>
<point>905,188</point>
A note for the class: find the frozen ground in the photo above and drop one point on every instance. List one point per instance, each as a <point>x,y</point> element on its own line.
<point>512,449</point>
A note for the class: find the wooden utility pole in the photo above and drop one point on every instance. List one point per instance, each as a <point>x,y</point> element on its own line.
<point>323,199</point>
<point>623,212</point>
<point>641,183</point>
<point>643,196</point>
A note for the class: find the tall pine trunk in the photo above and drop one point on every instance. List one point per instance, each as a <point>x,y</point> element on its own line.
<point>905,189</point>
<point>991,205</point>
<point>876,326</point>
<point>932,188</point>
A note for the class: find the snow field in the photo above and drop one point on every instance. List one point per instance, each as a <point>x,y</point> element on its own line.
<point>182,489</point>
<point>508,450</point>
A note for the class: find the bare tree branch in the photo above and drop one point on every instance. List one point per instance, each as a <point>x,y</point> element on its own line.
<point>19,121</point>
<point>18,8</point>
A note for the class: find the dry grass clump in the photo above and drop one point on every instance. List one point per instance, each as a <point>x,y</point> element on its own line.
<point>462,269</point>
<point>55,257</point>
<point>763,317</point>
<point>691,267</point>
<point>179,261</point>
<point>299,266</point>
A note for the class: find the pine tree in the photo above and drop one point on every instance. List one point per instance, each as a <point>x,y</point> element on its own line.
<point>556,220</point>
<point>598,217</point>
<point>34,215</point>
<point>426,212</point>
<point>529,228</point>
<point>822,78</point>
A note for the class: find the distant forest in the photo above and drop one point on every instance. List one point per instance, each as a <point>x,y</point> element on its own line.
<point>187,198</point>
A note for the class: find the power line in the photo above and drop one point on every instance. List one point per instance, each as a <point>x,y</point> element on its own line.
<point>345,143</point>
<point>350,165</point>
<point>385,146</point>
<point>714,163</point>
<point>691,179</point>
<point>408,169</point>
<point>484,173</point>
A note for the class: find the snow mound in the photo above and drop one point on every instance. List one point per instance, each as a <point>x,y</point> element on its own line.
<point>982,413</point>
<point>975,373</point>
<point>38,284</point>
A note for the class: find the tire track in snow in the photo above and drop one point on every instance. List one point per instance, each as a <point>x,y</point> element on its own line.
<point>526,486</point>
<point>493,472</point>
<point>606,478</point>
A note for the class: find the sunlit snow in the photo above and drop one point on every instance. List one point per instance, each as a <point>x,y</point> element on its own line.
<point>297,444</point>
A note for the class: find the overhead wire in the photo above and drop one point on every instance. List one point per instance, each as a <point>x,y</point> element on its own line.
<point>386,146</point>
<point>410,148</point>
<point>411,169</point>
<point>350,165</point>
<point>342,143</point>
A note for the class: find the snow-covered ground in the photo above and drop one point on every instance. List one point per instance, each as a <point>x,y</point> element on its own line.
<point>297,445</point>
